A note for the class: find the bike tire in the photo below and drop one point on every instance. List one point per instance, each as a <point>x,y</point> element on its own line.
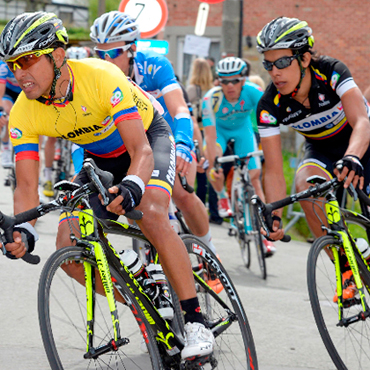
<point>234,346</point>
<point>348,347</point>
<point>239,223</point>
<point>255,234</point>
<point>63,319</point>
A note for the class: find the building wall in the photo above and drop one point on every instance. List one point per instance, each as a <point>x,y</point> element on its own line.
<point>340,27</point>
<point>75,10</point>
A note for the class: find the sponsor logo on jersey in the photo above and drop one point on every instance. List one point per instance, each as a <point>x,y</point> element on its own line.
<point>81,131</point>
<point>150,69</point>
<point>106,120</point>
<point>225,110</point>
<point>292,115</point>
<point>266,117</point>
<point>83,108</point>
<point>322,99</point>
<point>171,173</point>
<point>334,79</point>
<point>242,104</point>
<point>15,133</point>
<point>289,109</point>
<point>319,122</point>
<point>117,97</point>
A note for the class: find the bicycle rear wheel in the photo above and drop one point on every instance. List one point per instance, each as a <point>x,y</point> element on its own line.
<point>239,223</point>
<point>62,317</point>
<point>348,347</point>
<point>222,310</point>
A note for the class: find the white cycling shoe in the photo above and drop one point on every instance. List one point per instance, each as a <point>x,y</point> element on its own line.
<point>199,341</point>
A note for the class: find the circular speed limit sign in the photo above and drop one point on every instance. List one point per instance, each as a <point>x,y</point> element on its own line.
<point>150,14</point>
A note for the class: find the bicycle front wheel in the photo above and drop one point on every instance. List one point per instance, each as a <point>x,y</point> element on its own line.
<point>222,310</point>
<point>62,317</point>
<point>348,347</point>
<point>253,233</point>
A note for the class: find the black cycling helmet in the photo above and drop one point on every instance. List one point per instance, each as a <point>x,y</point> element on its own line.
<point>29,32</point>
<point>285,33</point>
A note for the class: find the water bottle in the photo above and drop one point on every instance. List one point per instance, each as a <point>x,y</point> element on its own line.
<point>163,301</point>
<point>173,219</point>
<point>131,259</point>
<point>364,248</point>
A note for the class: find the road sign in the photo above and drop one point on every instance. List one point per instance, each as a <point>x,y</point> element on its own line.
<point>150,14</point>
<point>200,25</point>
<point>159,46</point>
<point>211,1</point>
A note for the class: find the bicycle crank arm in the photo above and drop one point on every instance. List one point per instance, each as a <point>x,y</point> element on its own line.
<point>111,346</point>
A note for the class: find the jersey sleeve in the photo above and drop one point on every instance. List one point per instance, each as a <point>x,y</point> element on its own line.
<point>341,79</point>
<point>24,140</point>
<point>209,104</point>
<point>267,121</point>
<point>3,72</point>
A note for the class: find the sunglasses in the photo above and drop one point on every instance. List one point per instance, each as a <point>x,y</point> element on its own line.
<point>281,63</point>
<point>234,81</point>
<point>112,53</point>
<point>27,60</point>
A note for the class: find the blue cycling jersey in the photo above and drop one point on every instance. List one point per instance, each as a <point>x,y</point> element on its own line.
<point>155,75</point>
<point>7,77</point>
<point>232,120</point>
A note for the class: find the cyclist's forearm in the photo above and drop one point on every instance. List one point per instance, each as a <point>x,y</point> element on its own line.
<point>275,189</point>
<point>25,200</point>
<point>360,138</point>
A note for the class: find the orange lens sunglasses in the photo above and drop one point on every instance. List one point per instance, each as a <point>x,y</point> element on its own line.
<point>27,60</point>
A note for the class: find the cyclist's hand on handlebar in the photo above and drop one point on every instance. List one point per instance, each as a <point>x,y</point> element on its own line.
<point>18,247</point>
<point>214,174</point>
<point>277,232</point>
<point>350,166</point>
<point>202,165</point>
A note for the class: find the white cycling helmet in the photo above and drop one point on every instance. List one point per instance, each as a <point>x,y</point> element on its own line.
<point>231,66</point>
<point>114,26</point>
<point>76,52</point>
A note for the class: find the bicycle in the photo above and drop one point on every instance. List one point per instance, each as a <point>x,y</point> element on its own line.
<point>244,224</point>
<point>343,326</point>
<point>83,329</point>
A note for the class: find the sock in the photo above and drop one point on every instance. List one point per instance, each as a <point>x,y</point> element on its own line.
<point>48,173</point>
<point>192,311</point>
<point>221,194</point>
<point>207,240</point>
<point>5,145</point>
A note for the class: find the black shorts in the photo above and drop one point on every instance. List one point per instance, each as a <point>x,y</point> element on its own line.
<point>315,157</point>
<point>162,143</point>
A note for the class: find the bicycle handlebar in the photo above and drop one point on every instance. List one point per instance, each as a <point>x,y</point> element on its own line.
<point>100,181</point>
<point>265,210</point>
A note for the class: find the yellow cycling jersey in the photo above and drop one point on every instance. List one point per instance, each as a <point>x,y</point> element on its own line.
<point>100,97</point>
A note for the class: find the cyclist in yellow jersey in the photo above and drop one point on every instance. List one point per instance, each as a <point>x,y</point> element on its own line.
<point>91,103</point>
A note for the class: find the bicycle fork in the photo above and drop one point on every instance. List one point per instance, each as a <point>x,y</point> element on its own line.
<point>334,217</point>
<point>88,223</point>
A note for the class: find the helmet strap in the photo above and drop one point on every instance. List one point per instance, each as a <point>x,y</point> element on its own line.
<point>303,73</point>
<point>57,75</point>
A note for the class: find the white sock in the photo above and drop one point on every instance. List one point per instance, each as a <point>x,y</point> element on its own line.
<point>48,173</point>
<point>207,240</point>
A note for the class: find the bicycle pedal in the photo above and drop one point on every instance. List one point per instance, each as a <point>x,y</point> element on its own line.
<point>198,362</point>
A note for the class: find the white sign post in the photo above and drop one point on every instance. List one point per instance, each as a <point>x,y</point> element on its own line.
<point>196,45</point>
<point>200,25</point>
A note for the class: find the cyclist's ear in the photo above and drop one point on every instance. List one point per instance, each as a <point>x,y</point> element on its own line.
<point>306,59</point>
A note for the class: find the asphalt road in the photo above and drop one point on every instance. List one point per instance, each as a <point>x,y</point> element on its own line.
<point>278,308</point>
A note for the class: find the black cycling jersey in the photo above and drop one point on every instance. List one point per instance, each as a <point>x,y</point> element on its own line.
<point>324,125</point>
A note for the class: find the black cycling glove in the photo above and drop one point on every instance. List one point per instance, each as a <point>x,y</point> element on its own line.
<point>131,193</point>
<point>352,162</point>
<point>28,238</point>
